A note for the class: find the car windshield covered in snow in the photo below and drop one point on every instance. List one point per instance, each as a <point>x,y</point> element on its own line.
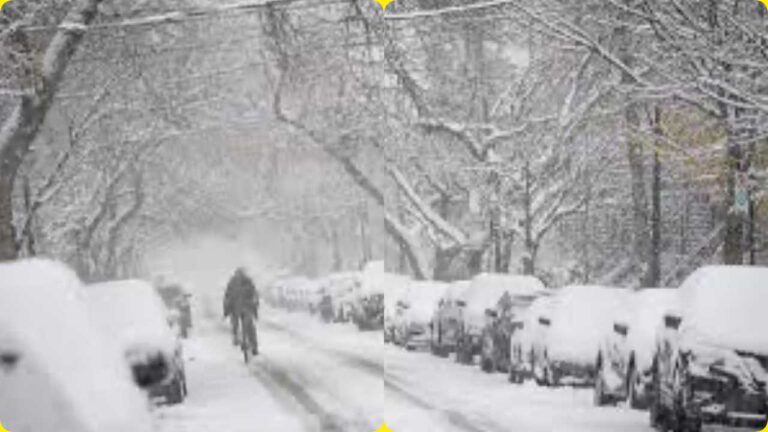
<point>422,299</point>
<point>133,313</point>
<point>487,289</point>
<point>726,307</point>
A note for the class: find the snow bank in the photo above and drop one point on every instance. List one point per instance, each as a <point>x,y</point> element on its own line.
<point>67,377</point>
<point>726,306</point>
<point>133,313</point>
<point>581,318</point>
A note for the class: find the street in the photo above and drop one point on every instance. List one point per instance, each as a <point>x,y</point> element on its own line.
<point>316,377</point>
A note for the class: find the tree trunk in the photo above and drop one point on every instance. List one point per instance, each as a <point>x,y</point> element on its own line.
<point>529,257</point>
<point>653,276</point>
<point>733,249</point>
<point>21,128</point>
<point>641,239</point>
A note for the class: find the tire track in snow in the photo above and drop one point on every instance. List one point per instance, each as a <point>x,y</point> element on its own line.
<point>295,388</point>
<point>279,382</point>
<point>455,418</point>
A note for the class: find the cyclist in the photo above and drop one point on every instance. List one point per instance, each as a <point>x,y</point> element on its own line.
<point>241,305</point>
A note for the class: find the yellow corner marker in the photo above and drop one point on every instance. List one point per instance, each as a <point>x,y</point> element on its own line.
<point>2,3</point>
<point>384,4</point>
<point>765,2</point>
<point>383,427</point>
<point>765,429</point>
<point>2,429</point>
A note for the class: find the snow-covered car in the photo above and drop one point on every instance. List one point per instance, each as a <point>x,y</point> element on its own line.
<point>418,306</point>
<point>481,298</point>
<point>369,305</point>
<point>395,289</point>
<point>529,328</point>
<point>520,292</point>
<point>344,288</point>
<point>447,319</point>
<point>626,355</point>
<point>711,360</point>
<point>177,300</point>
<point>578,321</point>
<point>134,315</point>
<point>57,372</point>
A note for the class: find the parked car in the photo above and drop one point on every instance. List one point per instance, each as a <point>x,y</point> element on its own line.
<point>446,320</point>
<point>529,328</point>
<point>368,311</point>
<point>482,296</point>
<point>176,299</point>
<point>395,288</point>
<point>520,292</point>
<point>579,320</point>
<point>711,359</point>
<point>418,305</point>
<point>626,355</point>
<point>133,314</point>
<point>57,372</point>
<point>344,289</point>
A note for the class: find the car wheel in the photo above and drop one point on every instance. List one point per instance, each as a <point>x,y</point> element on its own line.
<point>486,364</point>
<point>599,396</point>
<point>657,413</point>
<point>634,400</point>
<point>685,417</point>
<point>175,393</point>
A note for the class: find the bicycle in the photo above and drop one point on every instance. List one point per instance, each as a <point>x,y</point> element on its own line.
<point>248,346</point>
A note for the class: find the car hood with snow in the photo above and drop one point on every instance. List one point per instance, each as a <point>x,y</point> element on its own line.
<point>58,373</point>
<point>421,301</point>
<point>580,319</point>
<point>648,307</point>
<point>133,314</point>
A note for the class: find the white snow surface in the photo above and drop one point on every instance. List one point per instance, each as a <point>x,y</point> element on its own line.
<point>581,318</point>
<point>68,377</point>
<point>647,310</point>
<point>133,313</point>
<point>486,290</point>
<point>725,306</point>
<point>422,299</point>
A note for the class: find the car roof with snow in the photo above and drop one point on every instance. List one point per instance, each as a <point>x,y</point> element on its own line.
<point>133,312</point>
<point>456,289</point>
<point>422,298</point>
<point>726,306</point>
<point>487,288</point>
<point>65,361</point>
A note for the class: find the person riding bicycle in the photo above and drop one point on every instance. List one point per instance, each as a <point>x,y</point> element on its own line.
<point>241,306</point>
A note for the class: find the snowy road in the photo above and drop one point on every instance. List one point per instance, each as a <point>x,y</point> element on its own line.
<point>316,377</point>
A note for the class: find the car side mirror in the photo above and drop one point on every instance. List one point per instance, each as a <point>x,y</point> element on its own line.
<point>491,313</point>
<point>672,321</point>
<point>545,321</point>
<point>621,329</point>
<point>8,360</point>
<point>151,372</point>
<point>461,303</point>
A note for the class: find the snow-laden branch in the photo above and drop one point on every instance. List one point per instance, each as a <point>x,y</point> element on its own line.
<point>443,226</point>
